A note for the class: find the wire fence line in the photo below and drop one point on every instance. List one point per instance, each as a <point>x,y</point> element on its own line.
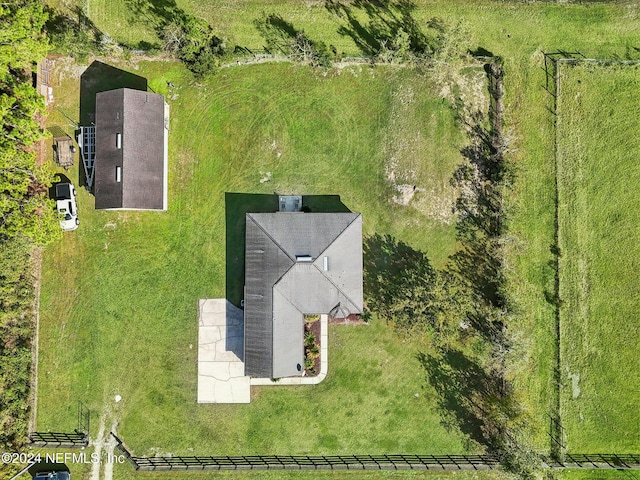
<point>553,63</point>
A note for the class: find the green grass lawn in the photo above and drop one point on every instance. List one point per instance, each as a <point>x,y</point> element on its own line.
<point>119,296</point>
<point>598,149</point>
<point>512,30</point>
<point>519,33</point>
<point>316,475</point>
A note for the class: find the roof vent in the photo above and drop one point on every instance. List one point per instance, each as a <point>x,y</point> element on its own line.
<point>326,264</point>
<point>304,258</point>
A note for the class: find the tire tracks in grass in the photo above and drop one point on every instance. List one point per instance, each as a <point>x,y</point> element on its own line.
<point>104,446</point>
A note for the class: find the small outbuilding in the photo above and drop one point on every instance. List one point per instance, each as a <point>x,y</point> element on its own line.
<point>131,150</point>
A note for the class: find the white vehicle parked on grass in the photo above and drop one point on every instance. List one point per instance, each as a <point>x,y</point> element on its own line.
<point>66,206</point>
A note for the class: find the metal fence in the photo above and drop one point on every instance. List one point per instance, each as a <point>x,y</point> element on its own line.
<point>302,462</point>
<point>365,462</point>
<point>312,462</point>
<point>78,438</point>
<point>595,460</point>
<point>84,418</point>
<point>59,439</point>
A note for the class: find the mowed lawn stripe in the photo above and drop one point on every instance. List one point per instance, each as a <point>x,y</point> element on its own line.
<point>599,174</point>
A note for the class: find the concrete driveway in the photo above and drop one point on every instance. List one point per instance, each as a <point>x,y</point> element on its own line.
<point>221,376</point>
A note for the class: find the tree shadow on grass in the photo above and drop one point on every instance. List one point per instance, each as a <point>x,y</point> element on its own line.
<point>281,36</point>
<point>277,33</point>
<point>156,13</point>
<point>478,401</point>
<point>376,24</point>
<point>454,378</point>
<point>470,397</point>
<point>189,38</point>
<point>398,281</point>
<point>470,379</point>
<point>480,229</point>
<point>73,32</point>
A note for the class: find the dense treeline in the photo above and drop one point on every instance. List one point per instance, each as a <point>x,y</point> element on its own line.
<point>16,330</point>
<point>27,217</point>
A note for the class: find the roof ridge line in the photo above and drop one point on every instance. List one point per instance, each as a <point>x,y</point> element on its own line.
<point>321,253</point>
<point>293,262</point>
<point>284,296</point>
<point>337,287</point>
<point>340,234</point>
<point>323,276</point>
<point>270,238</point>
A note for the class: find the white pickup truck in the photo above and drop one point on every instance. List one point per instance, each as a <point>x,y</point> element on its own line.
<point>66,206</point>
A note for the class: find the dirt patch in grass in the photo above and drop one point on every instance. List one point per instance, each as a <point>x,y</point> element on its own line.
<point>466,87</point>
<point>417,167</point>
<point>67,68</point>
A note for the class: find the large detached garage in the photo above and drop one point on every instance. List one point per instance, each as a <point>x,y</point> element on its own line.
<point>131,147</point>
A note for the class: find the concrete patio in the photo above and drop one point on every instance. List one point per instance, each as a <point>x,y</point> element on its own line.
<point>221,376</point>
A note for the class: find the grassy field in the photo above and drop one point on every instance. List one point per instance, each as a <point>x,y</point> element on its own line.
<point>126,473</point>
<point>517,32</point>
<point>512,30</point>
<point>119,296</point>
<point>598,176</point>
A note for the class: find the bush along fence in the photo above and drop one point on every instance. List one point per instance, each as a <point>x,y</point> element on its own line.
<point>362,462</point>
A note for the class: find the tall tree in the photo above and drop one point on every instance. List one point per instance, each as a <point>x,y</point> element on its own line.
<point>24,206</point>
<point>26,213</point>
<point>22,41</point>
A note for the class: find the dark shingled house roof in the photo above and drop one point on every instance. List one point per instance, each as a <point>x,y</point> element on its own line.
<point>131,150</point>
<point>296,264</point>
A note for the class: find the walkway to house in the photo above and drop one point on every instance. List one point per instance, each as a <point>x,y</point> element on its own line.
<point>221,376</point>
